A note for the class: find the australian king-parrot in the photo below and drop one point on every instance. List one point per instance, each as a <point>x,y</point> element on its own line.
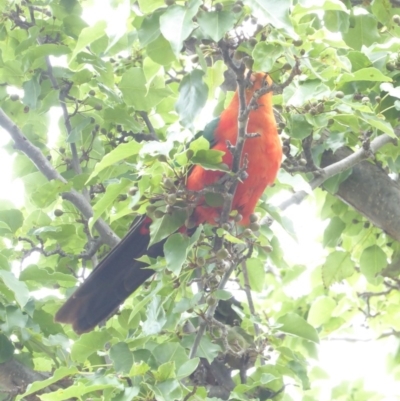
<point>119,274</point>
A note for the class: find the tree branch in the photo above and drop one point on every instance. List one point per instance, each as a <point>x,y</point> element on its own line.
<point>340,166</point>
<point>152,133</point>
<point>44,166</point>
<point>210,312</point>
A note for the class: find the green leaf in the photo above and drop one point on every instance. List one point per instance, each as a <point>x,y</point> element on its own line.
<point>82,76</point>
<point>4,228</point>
<point>122,357</point>
<point>20,289</point>
<point>6,349</point>
<point>170,352</point>
<point>214,199</point>
<point>150,28</point>
<point>222,294</point>
<point>87,344</point>
<point>44,50</point>
<point>301,372</point>
<point>338,266</point>
<point>165,371</point>
<point>121,152</point>
<point>169,390</point>
<point>176,23</point>
<point>207,349</point>
<point>274,12</point>
<point>383,11</point>
<point>363,32</point>
<point>215,24</point>
<point>321,311</point>
<point>256,273</point>
<point>128,394</point>
<point>32,91</point>
<point>300,127</point>
<point>380,124</point>
<point>46,276</point>
<point>119,115</point>
<point>58,374</point>
<point>332,184</point>
<point>75,134</point>
<point>187,368</point>
<point>294,324</point>
<point>13,218</point>
<point>214,77</point>
<point>73,25</point>
<point>160,51</point>
<point>200,143</point>
<point>193,94</point>
<point>208,158</point>
<point>168,224</point>
<point>11,72</point>
<point>372,261</point>
<point>265,55</point>
<point>358,60</point>
<point>175,251</point>
<point>149,6</point>
<point>333,232</point>
<point>336,20</point>
<point>138,306</point>
<point>112,192</point>
<point>229,237</point>
<point>137,94</point>
<point>306,91</point>
<point>87,36</point>
<point>155,317</point>
<point>364,74</point>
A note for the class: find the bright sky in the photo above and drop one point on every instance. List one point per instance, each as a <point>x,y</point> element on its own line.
<point>341,360</point>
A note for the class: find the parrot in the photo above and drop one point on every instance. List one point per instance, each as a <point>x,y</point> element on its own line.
<point>120,273</point>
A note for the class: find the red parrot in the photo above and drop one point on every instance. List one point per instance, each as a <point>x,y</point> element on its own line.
<point>119,273</point>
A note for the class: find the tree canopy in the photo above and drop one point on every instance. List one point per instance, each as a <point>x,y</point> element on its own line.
<point>223,317</point>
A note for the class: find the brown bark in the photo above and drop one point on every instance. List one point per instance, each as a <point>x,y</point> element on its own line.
<point>14,378</point>
<point>370,191</point>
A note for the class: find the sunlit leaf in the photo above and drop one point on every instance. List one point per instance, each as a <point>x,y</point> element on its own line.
<point>87,344</point>
<point>338,266</point>
<point>193,94</point>
<point>215,24</point>
<point>120,153</point>
<point>122,357</point>
<point>87,36</point>
<point>372,261</point>
<point>175,251</point>
<point>19,288</point>
<point>294,324</point>
<point>321,311</point>
<point>176,23</point>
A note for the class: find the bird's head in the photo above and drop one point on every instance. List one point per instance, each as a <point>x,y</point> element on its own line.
<point>258,80</point>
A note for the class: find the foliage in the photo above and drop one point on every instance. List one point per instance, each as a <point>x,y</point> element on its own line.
<point>131,104</point>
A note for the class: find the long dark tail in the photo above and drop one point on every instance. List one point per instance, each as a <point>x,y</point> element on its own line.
<point>111,282</point>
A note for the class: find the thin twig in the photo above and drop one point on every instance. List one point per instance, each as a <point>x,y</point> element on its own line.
<point>67,122</point>
<point>210,313</point>
<point>152,133</point>
<point>252,309</point>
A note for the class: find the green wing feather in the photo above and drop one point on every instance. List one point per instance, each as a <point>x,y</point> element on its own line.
<point>209,132</point>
